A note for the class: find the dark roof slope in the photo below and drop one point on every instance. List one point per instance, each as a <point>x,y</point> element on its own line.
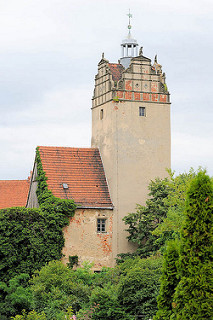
<point>81,169</point>
<point>116,71</point>
<point>13,193</point>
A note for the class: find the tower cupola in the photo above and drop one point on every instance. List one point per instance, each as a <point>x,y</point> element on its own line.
<point>129,46</point>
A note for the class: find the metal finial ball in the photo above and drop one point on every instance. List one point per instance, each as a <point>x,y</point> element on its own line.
<point>129,26</point>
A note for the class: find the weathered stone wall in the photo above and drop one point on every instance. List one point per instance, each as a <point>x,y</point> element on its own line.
<point>83,240</point>
<point>32,201</point>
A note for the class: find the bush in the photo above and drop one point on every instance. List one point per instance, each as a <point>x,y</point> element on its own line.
<point>55,288</point>
<point>138,289</point>
<point>32,315</point>
<point>15,296</point>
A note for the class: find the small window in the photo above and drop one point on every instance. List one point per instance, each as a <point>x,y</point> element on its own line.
<point>142,111</point>
<point>101,225</point>
<point>102,114</point>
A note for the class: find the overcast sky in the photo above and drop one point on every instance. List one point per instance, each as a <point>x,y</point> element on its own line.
<point>49,51</point>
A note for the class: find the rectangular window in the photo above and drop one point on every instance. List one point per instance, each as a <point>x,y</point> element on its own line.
<point>101,225</point>
<point>142,111</point>
<point>101,114</point>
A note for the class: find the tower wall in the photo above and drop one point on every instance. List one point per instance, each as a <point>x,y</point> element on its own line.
<point>134,143</point>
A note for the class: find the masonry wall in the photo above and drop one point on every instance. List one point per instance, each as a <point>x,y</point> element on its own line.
<point>32,201</point>
<point>134,148</point>
<point>83,240</point>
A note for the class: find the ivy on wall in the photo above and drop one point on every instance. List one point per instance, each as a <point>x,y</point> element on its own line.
<point>31,237</point>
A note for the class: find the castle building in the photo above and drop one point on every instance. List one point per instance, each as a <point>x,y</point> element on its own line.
<point>131,128</point>
<point>130,147</point>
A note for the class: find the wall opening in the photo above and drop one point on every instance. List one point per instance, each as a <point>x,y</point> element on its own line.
<point>142,111</point>
<point>101,225</point>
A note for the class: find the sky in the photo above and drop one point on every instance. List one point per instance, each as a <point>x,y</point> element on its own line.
<point>49,51</point>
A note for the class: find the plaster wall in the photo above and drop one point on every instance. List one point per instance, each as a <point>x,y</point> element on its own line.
<point>83,240</point>
<point>134,150</point>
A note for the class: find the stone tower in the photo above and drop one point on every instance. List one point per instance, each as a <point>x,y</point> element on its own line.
<point>131,127</point>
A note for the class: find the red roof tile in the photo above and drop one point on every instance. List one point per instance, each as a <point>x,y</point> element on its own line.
<point>116,70</point>
<point>13,193</point>
<point>81,169</point>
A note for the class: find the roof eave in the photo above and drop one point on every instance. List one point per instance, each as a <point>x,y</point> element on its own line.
<point>92,207</point>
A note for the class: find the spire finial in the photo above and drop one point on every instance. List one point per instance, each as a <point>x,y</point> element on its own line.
<point>156,59</point>
<point>129,25</point>
<point>102,55</point>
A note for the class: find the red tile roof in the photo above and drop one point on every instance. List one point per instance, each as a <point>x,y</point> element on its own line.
<point>81,169</point>
<point>13,193</point>
<point>116,70</point>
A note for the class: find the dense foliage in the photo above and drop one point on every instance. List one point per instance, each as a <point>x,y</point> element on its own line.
<point>169,281</point>
<point>15,296</point>
<point>175,202</point>
<point>193,297</point>
<point>182,281</point>
<point>117,293</point>
<point>55,288</point>
<point>139,287</point>
<point>187,280</point>
<point>32,315</point>
<point>142,223</point>
<point>31,237</point>
<point>160,220</point>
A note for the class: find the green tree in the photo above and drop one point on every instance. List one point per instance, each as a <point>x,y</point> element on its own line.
<point>193,297</point>
<point>175,204</point>
<point>142,223</point>
<point>106,305</point>
<point>122,292</point>
<point>55,288</point>
<point>161,219</point>
<point>15,296</point>
<point>168,280</point>
<point>139,287</point>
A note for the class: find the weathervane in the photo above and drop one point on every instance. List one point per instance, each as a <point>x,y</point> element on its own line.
<point>130,16</point>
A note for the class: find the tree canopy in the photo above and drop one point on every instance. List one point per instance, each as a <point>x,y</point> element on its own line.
<point>187,280</point>
<point>193,297</point>
<point>160,220</point>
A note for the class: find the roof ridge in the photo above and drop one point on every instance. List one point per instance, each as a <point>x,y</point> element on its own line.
<point>10,180</point>
<point>73,148</point>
